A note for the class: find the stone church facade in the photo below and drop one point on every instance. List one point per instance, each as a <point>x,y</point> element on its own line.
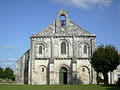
<point>59,54</point>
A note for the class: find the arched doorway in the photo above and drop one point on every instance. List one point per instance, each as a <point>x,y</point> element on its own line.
<point>63,75</point>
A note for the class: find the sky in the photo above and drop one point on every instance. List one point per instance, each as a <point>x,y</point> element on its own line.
<point>19,19</point>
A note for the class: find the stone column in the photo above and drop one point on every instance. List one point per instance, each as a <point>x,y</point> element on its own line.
<point>93,76</point>
<point>31,63</point>
<point>110,78</point>
<point>93,72</point>
<point>51,72</point>
<point>74,71</point>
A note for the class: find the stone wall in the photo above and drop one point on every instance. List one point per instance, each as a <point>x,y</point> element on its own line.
<point>52,51</point>
<point>44,67</point>
<point>21,76</point>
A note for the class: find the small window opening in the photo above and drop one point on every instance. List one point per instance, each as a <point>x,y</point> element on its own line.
<point>40,49</point>
<point>83,69</point>
<point>85,49</point>
<point>63,48</point>
<point>42,69</point>
<point>62,20</point>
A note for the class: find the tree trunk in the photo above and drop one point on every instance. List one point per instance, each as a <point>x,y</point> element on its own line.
<point>105,74</point>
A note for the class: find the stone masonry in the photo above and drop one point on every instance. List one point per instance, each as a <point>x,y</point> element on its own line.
<point>59,54</point>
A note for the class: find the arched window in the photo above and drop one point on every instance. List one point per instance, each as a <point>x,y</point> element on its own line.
<point>83,69</point>
<point>63,48</point>
<point>42,69</point>
<point>85,49</point>
<point>62,20</point>
<point>40,49</point>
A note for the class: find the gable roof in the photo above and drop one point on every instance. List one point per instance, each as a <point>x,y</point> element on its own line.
<point>71,29</point>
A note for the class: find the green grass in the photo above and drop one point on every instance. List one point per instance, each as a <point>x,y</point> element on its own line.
<point>7,81</point>
<point>58,87</point>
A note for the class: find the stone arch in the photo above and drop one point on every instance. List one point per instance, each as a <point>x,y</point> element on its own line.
<point>42,66</point>
<point>64,75</point>
<point>62,20</point>
<point>62,13</point>
<point>84,75</point>
<point>86,67</point>
<point>80,49</point>
<point>63,65</point>
<point>83,46</point>
<point>42,74</point>
<point>40,46</point>
<point>85,43</point>
<point>42,43</point>
<point>67,47</point>
<point>66,40</point>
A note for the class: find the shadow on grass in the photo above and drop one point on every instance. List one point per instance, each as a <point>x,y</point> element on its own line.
<point>111,87</point>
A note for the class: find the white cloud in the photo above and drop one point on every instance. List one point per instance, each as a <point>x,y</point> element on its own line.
<point>119,7</point>
<point>12,59</point>
<point>9,47</point>
<point>85,4</point>
<point>7,64</point>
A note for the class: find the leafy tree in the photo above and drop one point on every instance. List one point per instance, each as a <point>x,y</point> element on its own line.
<point>8,73</point>
<point>99,79</point>
<point>13,77</point>
<point>1,72</point>
<point>119,55</point>
<point>105,59</point>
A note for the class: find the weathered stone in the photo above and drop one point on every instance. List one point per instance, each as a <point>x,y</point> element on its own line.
<point>42,63</point>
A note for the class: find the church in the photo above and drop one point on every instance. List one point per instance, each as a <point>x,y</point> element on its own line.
<point>58,54</point>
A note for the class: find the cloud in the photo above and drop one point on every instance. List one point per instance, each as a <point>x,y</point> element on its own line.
<point>10,47</point>
<point>119,7</point>
<point>85,4</point>
<point>7,64</point>
<point>12,59</point>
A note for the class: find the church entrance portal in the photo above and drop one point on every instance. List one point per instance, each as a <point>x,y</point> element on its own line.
<point>63,75</point>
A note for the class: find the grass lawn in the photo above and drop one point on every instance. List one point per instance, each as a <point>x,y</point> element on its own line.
<point>7,81</point>
<point>57,87</point>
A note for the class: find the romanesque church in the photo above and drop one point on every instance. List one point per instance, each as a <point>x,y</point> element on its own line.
<point>58,54</point>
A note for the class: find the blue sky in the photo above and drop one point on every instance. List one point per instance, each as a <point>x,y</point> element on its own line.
<point>19,19</point>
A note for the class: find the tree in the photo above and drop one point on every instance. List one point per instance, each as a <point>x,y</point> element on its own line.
<point>13,77</point>
<point>105,59</point>
<point>1,73</point>
<point>8,73</point>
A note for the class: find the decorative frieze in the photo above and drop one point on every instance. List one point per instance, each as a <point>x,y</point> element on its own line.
<point>65,36</point>
<point>42,58</point>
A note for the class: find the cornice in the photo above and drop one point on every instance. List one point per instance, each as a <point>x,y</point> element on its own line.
<point>65,36</point>
<point>62,58</point>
